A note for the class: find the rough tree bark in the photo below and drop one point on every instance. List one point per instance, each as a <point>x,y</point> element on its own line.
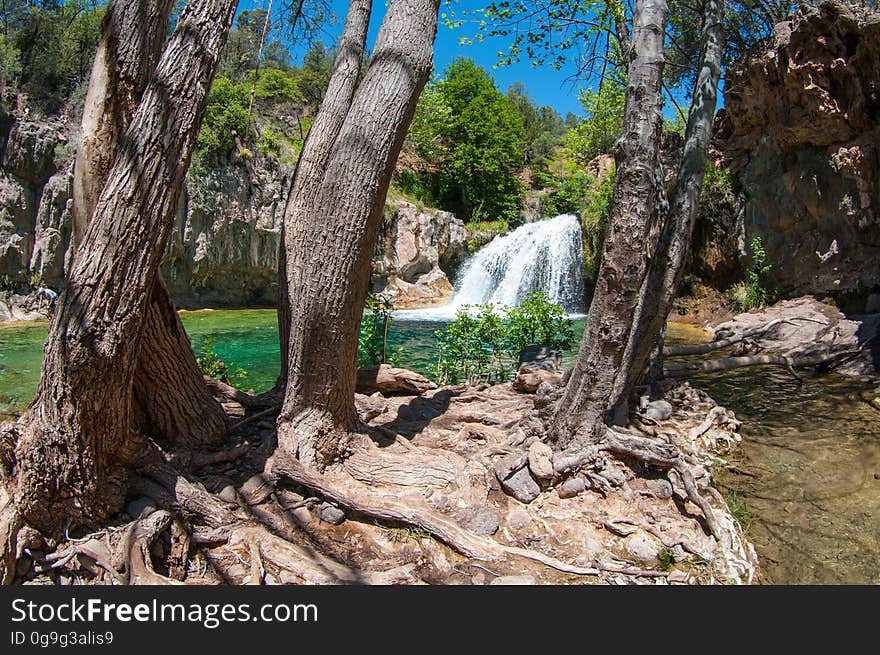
<point>664,275</point>
<point>581,414</point>
<point>319,145</point>
<point>77,437</point>
<point>330,238</point>
<point>173,405</point>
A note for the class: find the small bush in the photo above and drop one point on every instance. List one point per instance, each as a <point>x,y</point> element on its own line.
<point>482,344</point>
<point>212,365</point>
<point>373,339</point>
<point>757,291</point>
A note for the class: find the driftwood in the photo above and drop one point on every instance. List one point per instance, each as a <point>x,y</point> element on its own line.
<point>703,348</point>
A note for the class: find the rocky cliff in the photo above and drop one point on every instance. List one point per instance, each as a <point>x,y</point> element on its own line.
<point>417,254</point>
<point>224,248</point>
<point>800,130</point>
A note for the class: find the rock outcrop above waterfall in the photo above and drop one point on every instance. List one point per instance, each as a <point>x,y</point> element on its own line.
<point>417,253</point>
<point>800,130</point>
<point>223,251</point>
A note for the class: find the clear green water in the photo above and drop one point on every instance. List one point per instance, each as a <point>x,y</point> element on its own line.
<point>812,451</point>
<point>247,338</point>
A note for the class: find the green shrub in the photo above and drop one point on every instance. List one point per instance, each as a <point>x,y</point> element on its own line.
<point>483,345</point>
<point>227,113</point>
<point>270,142</point>
<point>212,365</point>
<point>276,86</point>
<point>373,338</point>
<point>537,320</point>
<point>757,291</point>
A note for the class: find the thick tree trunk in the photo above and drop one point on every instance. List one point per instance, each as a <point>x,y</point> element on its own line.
<point>596,379</point>
<point>174,405</point>
<point>330,238</point>
<point>77,436</point>
<point>319,145</point>
<point>666,269</point>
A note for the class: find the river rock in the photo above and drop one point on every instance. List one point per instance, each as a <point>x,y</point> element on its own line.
<point>571,488</point>
<point>522,486</point>
<point>388,380</point>
<point>642,548</point>
<point>659,410</point>
<point>513,580</point>
<point>660,488</point>
<point>541,460</point>
<point>479,519</point>
<point>330,514</point>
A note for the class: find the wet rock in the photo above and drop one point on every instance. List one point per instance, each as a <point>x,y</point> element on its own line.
<point>571,488</point>
<point>521,486</point>
<point>480,519</point>
<point>540,460</point>
<point>659,410</point>
<point>642,548</point>
<point>660,488</point>
<point>388,380</point>
<point>330,514</point>
<point>513,580</point>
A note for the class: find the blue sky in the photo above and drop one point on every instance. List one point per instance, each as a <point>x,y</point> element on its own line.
<point>545,85</point>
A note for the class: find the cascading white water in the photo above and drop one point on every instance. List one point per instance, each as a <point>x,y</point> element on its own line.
<point>542,256</point>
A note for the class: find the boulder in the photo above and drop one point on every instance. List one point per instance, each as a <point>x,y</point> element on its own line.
<point>541,460</point>
<point>479,519</point>
<point>388,380</point>
<point>571,488</point>
<point>521,486</point>
<point>538,364</point>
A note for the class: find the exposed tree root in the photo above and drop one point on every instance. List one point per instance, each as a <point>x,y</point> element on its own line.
<point>703,348</point>
<point>360,500</point>
<point>790,362</point>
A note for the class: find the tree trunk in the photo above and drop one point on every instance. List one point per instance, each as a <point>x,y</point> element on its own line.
<point>331,237</point>
<point>580,416</point>
<point>319,145</point>
<point>174,405</point>
<point>77,435</point>
<point>667,267</point>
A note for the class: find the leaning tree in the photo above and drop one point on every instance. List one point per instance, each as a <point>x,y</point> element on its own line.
<point>332,221</point>
<point>74,444</point>
<point>171,401</point>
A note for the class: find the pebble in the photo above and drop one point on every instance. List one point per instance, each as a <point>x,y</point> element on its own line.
<point>659,410</point>
<point>571,488</point>
<point>513,580</point>
<point>331,514</point>
<point>479,519</point>
<point>522,486</point>
<point>642,548</point>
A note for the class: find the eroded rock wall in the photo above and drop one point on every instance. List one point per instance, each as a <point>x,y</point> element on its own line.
<point>800,130</point>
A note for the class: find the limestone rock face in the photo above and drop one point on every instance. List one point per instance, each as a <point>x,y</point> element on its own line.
<point>34,195</point>
<point>224,250</point>
<point>417,252</point>
<point>800,131</point>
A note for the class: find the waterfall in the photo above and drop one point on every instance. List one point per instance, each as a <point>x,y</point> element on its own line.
<point>543,256</point>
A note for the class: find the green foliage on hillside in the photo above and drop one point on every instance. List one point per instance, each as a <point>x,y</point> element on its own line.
<point>470,138</point>
<point>596,133</point>
<point>46,50</point>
